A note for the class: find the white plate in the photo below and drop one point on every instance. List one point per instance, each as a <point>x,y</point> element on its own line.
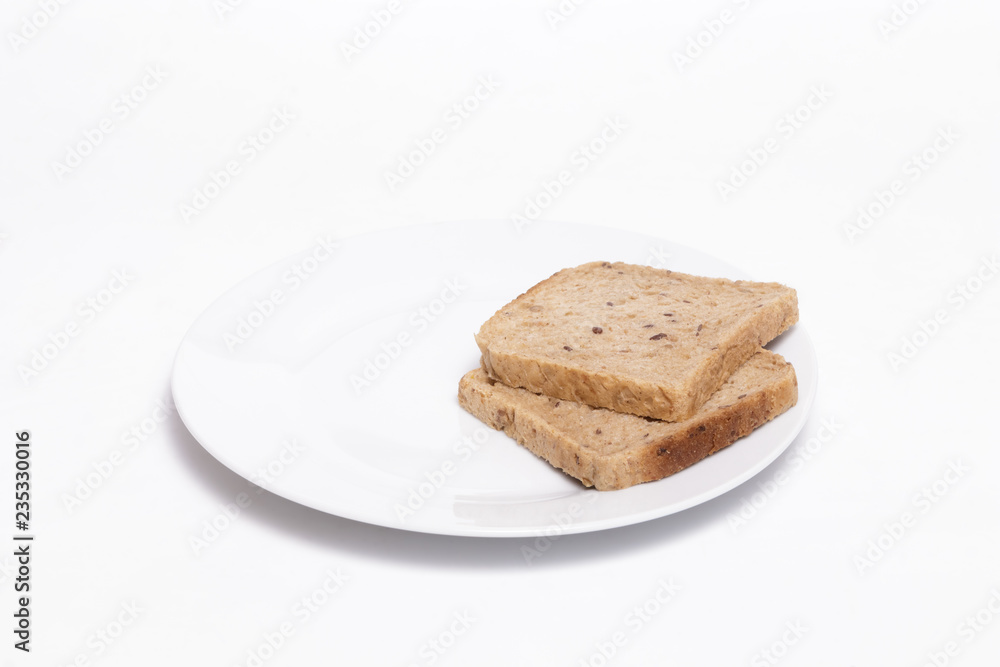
<point>284,407</point>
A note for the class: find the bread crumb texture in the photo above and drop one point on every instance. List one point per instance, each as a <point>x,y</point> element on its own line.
<point>633,339</point>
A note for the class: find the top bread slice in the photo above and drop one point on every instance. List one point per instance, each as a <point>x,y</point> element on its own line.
<point>633,339</point>
<point>609,450</point>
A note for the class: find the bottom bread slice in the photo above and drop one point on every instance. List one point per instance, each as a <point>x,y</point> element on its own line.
<point>611,450</point>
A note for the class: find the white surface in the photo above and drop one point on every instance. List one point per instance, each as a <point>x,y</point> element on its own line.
<point>282,387</point>
<point>323,174</point>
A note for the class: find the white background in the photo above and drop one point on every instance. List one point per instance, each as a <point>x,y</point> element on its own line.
<point>890,93</point>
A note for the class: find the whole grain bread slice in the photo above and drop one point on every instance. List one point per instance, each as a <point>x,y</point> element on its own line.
<point>610,450</point>
<point>635,339</point>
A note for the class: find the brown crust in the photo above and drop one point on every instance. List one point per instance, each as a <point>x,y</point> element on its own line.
<point>704,435</point>
<point>717,431</point>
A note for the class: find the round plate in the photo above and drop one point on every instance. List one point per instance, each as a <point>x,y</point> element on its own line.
<point>331,379</point>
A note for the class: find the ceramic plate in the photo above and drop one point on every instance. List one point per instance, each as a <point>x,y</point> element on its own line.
<point>331,379</point>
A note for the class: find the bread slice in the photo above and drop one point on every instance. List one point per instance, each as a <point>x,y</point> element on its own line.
<point>609,450</point>
<point>635,339</point>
